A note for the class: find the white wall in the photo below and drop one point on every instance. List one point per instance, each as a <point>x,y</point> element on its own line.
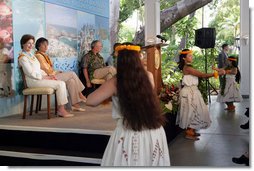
<point>244,60</point>
<point>152,21</point>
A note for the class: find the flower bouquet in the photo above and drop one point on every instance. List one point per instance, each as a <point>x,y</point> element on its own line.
<point>169,99</point>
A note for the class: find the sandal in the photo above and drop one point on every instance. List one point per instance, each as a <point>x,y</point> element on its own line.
<point>191,137</point>
<point>197,134</point>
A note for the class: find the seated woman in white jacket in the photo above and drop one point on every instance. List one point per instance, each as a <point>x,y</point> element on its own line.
<point>35,77</point>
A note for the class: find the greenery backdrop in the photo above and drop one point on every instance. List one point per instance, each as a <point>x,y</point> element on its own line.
<point>224,17</point>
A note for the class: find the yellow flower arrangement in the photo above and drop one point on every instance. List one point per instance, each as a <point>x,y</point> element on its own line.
<point>128,47</point>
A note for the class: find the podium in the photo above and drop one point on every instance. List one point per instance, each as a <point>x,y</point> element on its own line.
<point>153,54</point>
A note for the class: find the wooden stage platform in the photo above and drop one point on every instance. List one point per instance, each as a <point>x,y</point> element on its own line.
<point>77,141</point>
<point>95,120</point>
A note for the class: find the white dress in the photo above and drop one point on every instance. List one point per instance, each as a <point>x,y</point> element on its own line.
<point>231,91</point>
<point>193,112</point>
<point>135,148</point>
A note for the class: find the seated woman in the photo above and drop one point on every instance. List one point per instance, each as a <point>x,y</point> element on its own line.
<point>73,84</point>
<point>35,77</point>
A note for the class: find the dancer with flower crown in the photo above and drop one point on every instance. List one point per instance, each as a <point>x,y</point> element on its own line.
<point>193,114</point>
<point>229,92</point>
<point>139,138</point>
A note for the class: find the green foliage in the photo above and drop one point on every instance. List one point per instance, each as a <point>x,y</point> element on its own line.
<point>170,73</point>
<point>127,7</point>
<point>126,34</point>
<point>164,4</point>
<point>226,21</point>
<point>186,28</point>
<point>183,28</point>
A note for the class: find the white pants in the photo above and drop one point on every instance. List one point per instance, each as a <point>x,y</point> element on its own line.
<point>59,86</point>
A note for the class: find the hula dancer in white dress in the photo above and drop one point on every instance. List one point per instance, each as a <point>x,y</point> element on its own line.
<point>193,114</point>
<point>229,92</point>
<point>139,138</point>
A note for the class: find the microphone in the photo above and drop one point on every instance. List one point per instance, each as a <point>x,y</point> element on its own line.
<point>161,37</point>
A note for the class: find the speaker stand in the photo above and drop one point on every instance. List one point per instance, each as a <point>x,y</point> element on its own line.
<point>207,85</point>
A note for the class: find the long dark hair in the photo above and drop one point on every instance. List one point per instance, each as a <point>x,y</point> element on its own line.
<point>181,62</point>
<point>138,102</point>
<point>238,74</point>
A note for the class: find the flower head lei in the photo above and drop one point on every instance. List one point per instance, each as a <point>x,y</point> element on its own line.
<point>232,59</point>
<point>185,52</point>
<point>128,47</point>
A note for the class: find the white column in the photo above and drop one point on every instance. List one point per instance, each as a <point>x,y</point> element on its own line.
<point>244,58</point>
<point>152,21</point>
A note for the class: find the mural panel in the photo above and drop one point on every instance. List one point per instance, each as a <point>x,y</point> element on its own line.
<point>25,23</point>
<point>70,26</point>
<point>102,27</point>
<point>61,26</point>
<point>6,49</point>
<point>86,32</point>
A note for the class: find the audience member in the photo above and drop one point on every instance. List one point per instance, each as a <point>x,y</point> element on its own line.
<point>73,84</point>
<point>246,125</point>
<point>111,61</point>
<point>243,159</point>
<point>35,77</point>
<point>222,58</point>
<point>93,65</point>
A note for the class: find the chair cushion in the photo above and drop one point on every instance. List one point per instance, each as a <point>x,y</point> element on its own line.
<point>38,90</point>
<point>97,81</point>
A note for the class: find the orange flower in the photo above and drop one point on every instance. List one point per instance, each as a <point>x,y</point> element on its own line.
<point>216,74</point>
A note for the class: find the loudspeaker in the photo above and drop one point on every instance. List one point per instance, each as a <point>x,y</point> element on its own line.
<point>205,37</point>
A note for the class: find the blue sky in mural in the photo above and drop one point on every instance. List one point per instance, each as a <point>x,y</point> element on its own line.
<point>102,27</point>
<point>85,18</point>
<point>61,16</point>
<point>28,18</point>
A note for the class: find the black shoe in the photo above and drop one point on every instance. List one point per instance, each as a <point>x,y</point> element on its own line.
<point>247,112</point>
<point>241,160</point>
<point>245,126</point>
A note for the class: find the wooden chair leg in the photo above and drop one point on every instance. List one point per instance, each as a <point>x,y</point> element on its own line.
<point>37,103</point>
<point>24,110</point>
<point>32,105</point>
<point>55,105</point>
<point>48,101</point>
<point>40,102</point>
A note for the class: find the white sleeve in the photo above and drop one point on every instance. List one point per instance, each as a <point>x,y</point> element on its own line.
<point>28,69</point>
<point>5,51</point>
